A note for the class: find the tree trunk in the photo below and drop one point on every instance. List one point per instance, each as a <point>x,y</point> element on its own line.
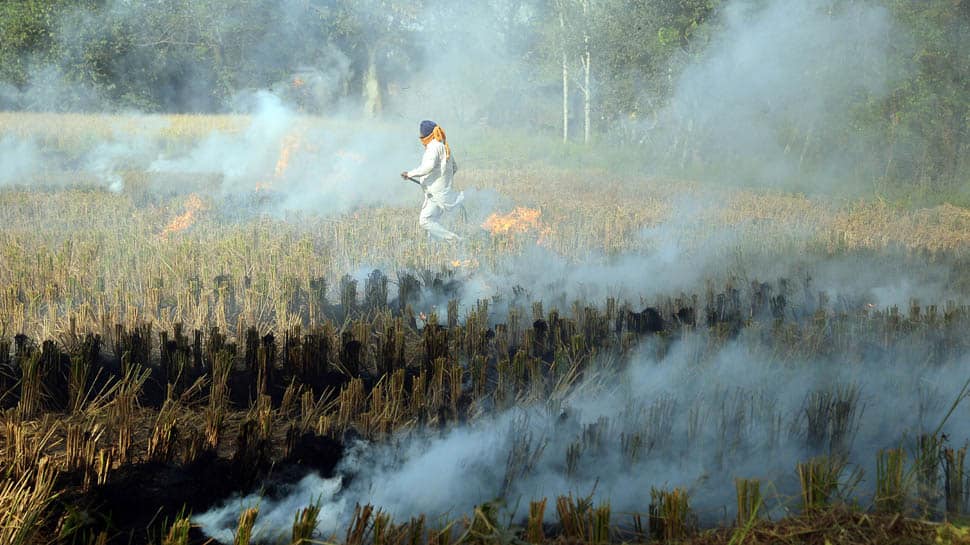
<point>565,99</point>
<point>587,104</point>
<point>587,57</point>
<point>891,154</point>
<point>805,147</point>
<point>372,86</point>
<point>565,74</point>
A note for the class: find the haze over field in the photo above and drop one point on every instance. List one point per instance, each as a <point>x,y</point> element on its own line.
<point>819,96</point>
<point>703,240</point>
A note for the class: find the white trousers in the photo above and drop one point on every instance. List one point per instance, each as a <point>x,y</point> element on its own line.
<point>431,212</point>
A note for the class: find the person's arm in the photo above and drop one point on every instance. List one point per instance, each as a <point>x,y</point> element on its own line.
<point>427,162</point>
<point>454,165</point>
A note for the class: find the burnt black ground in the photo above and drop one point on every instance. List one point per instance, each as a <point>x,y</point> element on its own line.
<point>140,500</point>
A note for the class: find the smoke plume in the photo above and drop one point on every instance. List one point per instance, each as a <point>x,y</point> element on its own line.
<point>693,415</point>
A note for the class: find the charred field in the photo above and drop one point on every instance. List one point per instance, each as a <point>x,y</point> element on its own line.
<point>188,358</point>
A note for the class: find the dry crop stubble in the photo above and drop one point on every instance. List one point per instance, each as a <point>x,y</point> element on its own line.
<point>92,249</point>
<point>377,412</point>
<point>78,260</point>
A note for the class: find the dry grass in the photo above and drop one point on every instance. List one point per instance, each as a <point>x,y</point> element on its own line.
<point>24,501</point>
<point>837,526</point>
<point>425,384</point>
<point>80,261</point>
<point>97,257</point>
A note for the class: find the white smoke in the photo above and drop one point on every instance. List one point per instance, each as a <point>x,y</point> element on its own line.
<point>705,416</point>
<point>765,101</point>
<point>20,160</point>
<point>238,157</point>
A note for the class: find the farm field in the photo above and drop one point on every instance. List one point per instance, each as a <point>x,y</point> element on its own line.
<point>192,351</point>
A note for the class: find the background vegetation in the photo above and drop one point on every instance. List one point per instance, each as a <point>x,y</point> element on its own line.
<point>616,61</point>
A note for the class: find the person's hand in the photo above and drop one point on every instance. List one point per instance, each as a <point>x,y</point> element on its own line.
<point>404,175</point>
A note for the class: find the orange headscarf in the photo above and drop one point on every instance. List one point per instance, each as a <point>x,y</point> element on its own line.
<point>437,134</point>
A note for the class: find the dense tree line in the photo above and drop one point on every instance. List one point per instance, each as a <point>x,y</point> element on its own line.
<point>580,69</point>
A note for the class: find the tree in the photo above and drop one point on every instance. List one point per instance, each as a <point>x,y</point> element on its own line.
<point>376,33</point>
<point>586,60</point>
<point>575,22</point>
<point>926,119</point>
<point>561,7</point>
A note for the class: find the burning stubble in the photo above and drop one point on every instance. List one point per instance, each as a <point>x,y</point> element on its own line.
<point>519,221</point>
<point>181,222</point>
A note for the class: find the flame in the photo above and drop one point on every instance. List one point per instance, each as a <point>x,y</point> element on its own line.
<point>290,143</point>
<point>185,220</point>
<point>520,220</point>
<point>465,263</point>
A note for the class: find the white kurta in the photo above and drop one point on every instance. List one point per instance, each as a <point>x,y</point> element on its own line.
<point>436,174</point>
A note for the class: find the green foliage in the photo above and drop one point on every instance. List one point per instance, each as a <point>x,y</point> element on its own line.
<point>26,29</point>
<point>927,116</point>
<point>912,142</point>
<point>185,55</point>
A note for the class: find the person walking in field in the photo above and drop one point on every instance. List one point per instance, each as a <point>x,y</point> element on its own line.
<point>436,175</point>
